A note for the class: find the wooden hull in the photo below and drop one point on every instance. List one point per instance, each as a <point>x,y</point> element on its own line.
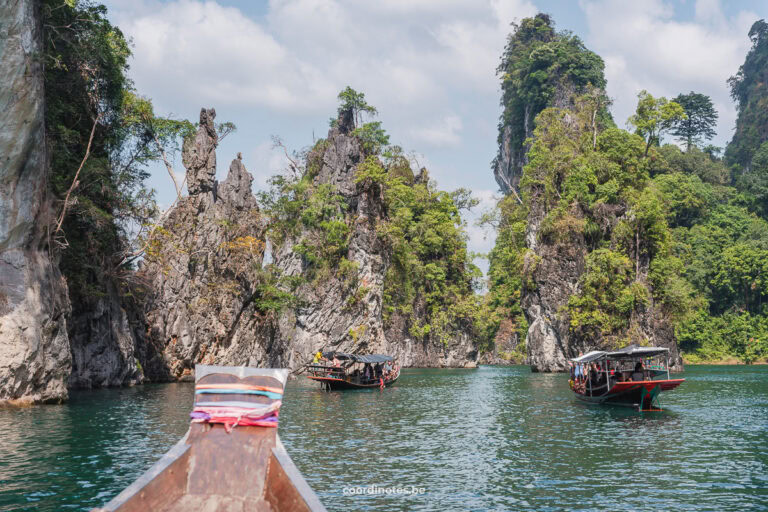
<point>335,384</point>
<point>246,468</point>
<point>638,394</point>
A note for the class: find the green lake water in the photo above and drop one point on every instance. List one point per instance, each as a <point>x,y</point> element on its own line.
<point>494,438</point>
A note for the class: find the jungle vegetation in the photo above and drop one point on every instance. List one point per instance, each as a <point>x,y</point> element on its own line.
<point>698,221</point>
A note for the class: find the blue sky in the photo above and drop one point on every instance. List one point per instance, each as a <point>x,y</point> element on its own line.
<point>274,68</point>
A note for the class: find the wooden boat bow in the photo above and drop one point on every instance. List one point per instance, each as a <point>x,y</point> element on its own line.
<point>221,467</point>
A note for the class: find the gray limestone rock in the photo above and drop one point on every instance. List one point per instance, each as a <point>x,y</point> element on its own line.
<point>35,361</point>
<point>554,269</point>
<point>199,155</point>
<point>204,271</point>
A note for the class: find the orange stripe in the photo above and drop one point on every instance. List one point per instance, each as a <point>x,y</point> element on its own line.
<point>239,386</point>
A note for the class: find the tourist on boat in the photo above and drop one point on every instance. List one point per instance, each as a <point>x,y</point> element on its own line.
<point>318,358</point>
<point>336,362</point>
<point>378,370</point>
<point>638,374</point>
<point>367,372</point>
<point>387,369</point>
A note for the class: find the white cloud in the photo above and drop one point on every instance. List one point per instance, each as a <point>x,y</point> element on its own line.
<point>191,51</point>
<point>296,58</point>
<point>644,47</point>
<point>444,132</point>
<point>427,65</point>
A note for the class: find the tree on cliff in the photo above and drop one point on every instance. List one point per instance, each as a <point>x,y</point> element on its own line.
<point>428,283</point>
<point>749,88</point>
<point>653,117</point>
<point>700,119</point>
<point>354,102</point>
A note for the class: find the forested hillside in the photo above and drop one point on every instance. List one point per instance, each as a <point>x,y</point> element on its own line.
<point>643,236</point>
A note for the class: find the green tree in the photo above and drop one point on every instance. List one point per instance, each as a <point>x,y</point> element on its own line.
<point>351,100</point>
<point>700,119</point>
<point>653,117</point>
<point>755,181</point>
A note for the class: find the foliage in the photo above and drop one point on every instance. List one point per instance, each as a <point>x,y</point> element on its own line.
<point>87,91</point>
<point>430,278</point>
<point>658,225</point>
<point>704,337</point>
<point>700,119</point>
<point>749,88</point>
<point>351,100</point>
<point>311,215</point>
<point>695,162</point>
<point>654,116</point>
<point>608,295</point>
<point>429,282</point>
<point>505,270</point>
<point>755,182</point>
<point>539,63</point>
<point>372,136</point>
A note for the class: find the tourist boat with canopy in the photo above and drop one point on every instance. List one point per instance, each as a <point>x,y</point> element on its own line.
<point>353,371</point>
<point>634,376</point>
<point>231,457</point>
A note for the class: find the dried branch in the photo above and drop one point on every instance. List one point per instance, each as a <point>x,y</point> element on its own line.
<point>77,174</point>
<point>167,165</point>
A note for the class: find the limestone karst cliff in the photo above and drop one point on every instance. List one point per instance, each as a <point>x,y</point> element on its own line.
<point>35,360</point>
<point>344,310</point>
<point>571,269</point>
<point>212,299</point>
<point>540,68</point>
<point>204,270</point>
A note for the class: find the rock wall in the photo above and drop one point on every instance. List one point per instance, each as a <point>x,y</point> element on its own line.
<point>105,337</point>
<point>35,361</point>
<point>203,270</point>
<point>511,158</point>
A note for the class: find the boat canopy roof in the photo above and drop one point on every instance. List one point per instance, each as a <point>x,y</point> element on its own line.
<point>636,351</point>
<point>589,357</point>
<point>628,352</point>
<point>359,358</point>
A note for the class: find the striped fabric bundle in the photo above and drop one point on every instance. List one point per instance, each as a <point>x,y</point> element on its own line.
<point>233,413</point>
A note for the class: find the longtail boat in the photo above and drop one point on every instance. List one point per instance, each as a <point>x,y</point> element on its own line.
<point>634,376</point>
<point>231,459</point>
<point>353,371</point>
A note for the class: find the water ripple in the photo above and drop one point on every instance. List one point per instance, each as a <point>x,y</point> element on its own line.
<point>486,439</point>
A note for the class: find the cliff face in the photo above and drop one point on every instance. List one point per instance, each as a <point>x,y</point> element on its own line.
<point>555,269</point>
<point>105,338</point>
<point>203,269</point>
<point>35,361</point>
<point>513,155</point>
<point>334,315</point>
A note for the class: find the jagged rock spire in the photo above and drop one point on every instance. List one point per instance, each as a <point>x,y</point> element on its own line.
<point>236,189</point>
<point>199,155</point>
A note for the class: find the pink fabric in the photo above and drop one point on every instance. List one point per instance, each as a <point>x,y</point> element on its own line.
<point>234,416</point>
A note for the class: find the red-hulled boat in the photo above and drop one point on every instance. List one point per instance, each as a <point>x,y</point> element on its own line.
<point>353,371</point>
<point>634,376</point>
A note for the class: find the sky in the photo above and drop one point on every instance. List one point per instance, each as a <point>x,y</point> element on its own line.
<point>274,68</point>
